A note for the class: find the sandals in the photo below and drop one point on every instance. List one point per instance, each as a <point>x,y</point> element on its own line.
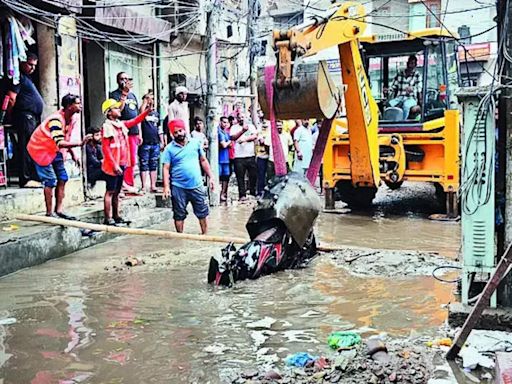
<point>120,220</point>
<point>62,215</point>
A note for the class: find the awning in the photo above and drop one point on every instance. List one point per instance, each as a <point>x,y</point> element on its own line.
<point>131,21</point>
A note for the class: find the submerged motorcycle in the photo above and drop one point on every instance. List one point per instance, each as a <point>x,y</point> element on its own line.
<point>281,232</point>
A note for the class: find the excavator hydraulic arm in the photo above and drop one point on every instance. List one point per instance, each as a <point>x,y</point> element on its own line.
<point>306,90</point>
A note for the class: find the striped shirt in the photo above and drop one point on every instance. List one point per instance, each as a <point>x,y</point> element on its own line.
<point>401,82</point>
<point>56,130</point>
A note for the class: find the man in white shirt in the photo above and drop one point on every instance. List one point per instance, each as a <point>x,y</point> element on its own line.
<point>286,143</point>
<point>303,142</point>
<point>178,109</point>
<point>244,135</point>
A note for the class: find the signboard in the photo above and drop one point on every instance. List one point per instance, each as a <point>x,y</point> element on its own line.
<point>475,52</point>
<point>69,81</point>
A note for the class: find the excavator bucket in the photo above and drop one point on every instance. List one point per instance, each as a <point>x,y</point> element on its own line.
<point>288,200</point>
<point>311,94</point>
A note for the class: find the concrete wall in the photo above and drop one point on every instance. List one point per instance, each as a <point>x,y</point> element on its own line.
<point>479,19</point>
<point>47,67</point>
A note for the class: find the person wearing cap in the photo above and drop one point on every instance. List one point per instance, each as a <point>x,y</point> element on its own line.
<point>183,159</point>
<point>116,156</point>
<point>129,111</point>
<point>178,109</point>
<point>47,146</point>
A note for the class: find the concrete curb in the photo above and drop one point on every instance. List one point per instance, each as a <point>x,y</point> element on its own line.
<point>36,244</point>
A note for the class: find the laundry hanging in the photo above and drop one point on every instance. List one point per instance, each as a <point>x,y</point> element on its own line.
<point>14,37</point>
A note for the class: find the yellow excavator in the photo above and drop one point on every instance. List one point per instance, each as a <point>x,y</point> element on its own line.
<point>389,122</point>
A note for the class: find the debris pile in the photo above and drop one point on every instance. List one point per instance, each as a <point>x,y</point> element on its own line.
<point>389,263</point>
<point>374,362</point>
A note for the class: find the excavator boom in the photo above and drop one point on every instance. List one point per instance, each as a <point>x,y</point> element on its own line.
<point>307,91</point>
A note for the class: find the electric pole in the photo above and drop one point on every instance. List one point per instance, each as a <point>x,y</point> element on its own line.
<point>252,15</point>
<point>211,97</point>
<point>504,16</point>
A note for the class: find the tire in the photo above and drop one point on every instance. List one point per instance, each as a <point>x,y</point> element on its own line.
<point>448,200</point>
<point>355,197</point>
<point>440,194</point>
<point>394,186</point>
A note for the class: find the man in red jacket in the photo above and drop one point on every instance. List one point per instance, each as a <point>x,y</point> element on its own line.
<point>46,147</point>
<point>116,156</point>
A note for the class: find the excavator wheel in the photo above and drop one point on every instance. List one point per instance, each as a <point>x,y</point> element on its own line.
<point>451,203</point>
<point>355,197</point>
<point>440,193</point>
<point>394,186</point>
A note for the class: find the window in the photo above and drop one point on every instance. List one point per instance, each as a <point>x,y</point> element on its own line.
<point>289,20</point>
<point>421,15</point>
<point>433,14</point>
<point>375,76</point>
<point>436,87</point>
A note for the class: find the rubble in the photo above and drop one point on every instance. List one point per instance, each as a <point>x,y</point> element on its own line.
<point>409,363</point>
<point>389,263</point>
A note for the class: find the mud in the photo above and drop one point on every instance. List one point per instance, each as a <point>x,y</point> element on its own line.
<point>89,318</point>
<point>371,262</point>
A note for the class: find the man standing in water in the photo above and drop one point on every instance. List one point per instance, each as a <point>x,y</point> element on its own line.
<point>183,159</point>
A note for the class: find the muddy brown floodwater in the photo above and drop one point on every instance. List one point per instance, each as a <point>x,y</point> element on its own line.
<point>80,320</point>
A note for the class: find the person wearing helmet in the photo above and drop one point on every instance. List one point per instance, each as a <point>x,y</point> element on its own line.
<point>116,156</point>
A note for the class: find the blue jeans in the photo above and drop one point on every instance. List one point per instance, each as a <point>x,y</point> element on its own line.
<point>224,171</point>
<point>261,165</point>
<point>148,157</point>
<point>404,102</point>
<point>52,172</point>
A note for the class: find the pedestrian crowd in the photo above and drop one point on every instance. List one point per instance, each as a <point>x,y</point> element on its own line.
<point>245,149</point>
<point>132,134</point>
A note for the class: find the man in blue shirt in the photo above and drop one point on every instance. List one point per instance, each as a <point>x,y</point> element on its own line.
<point>183,159</point>
<point>224,166</point>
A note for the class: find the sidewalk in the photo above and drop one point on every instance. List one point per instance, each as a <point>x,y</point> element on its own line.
<point>25,244</point>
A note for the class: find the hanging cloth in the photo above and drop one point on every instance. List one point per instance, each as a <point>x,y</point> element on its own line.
<point>26,31</point>
<point>19,52</point>
<point>2,73</point>
<point>9,57</point>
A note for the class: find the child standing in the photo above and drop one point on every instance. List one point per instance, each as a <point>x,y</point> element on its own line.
<point>116,156</point>
<point>94,156</point>
<point>152,143</point>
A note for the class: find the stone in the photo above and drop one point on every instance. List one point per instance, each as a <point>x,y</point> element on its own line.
<point>249,374</point>
<point>319,375</point>
<point>272,375</point>
<point>392,377</point>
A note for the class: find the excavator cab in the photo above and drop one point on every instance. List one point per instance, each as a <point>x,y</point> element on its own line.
<point>418,119</point>
<point>412,78</point>
<point>383,127</point>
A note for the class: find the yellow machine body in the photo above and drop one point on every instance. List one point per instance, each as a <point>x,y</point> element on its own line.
<point>362,151</point>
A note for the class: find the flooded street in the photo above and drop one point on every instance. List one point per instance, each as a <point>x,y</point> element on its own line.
<point>86,318</point>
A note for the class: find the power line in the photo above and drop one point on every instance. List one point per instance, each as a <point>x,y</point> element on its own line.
<point>456,38</point>
<point>114,4</point>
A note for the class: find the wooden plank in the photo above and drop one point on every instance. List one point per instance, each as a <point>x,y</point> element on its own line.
<point>481,304</point>
<point>145,231</point>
